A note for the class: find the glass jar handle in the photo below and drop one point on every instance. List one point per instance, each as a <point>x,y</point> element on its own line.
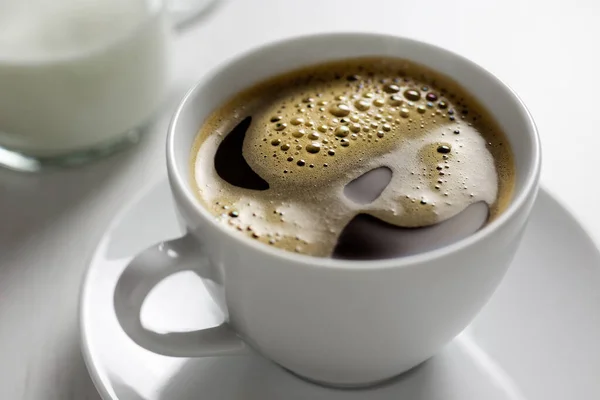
<point>186,12</point>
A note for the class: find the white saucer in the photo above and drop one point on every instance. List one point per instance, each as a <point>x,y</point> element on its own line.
<point>537,339</point>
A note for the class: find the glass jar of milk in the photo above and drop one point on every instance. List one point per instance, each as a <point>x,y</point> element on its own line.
<point>78,78</point>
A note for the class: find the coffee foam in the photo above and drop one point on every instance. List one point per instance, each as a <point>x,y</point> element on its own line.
<point>315,130</point>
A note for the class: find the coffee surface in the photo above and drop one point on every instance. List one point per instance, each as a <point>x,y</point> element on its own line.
<point>377,152</point>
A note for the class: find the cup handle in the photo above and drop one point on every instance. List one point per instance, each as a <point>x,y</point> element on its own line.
<point>142,274</point>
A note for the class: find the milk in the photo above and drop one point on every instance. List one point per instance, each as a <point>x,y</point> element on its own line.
<point>78,73</point>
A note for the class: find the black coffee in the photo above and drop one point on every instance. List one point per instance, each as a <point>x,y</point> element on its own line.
<point>361,159</point>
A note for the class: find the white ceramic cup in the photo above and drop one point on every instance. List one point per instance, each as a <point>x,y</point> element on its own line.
<point>339,322</point>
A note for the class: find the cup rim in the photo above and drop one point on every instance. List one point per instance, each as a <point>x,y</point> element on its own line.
<point>176,176</point>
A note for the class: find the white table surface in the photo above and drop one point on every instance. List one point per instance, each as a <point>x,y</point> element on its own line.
<point>50,223</point>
